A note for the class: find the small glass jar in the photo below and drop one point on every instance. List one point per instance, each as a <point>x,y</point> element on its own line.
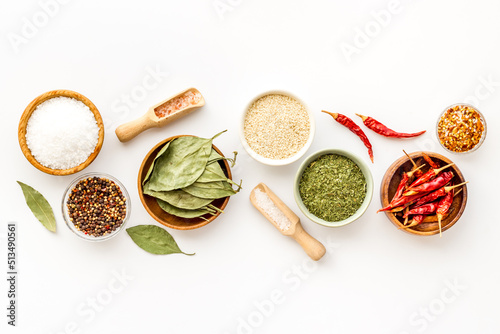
<point>72,226</point>
<point>447,145</point>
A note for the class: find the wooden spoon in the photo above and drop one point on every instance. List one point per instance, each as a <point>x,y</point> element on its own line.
<point>129,130</point>
<point>311,246</point>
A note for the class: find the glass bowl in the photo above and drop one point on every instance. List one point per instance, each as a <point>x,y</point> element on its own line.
<point>269,161</point>
<point>483,135</point>
<point>70,224</point>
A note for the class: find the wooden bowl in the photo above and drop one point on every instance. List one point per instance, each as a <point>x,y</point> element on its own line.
<point>29,111</point>
<point>391,181</point>
<point>165,218</point>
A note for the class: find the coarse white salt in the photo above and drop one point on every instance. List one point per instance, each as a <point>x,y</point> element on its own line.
<point>267,204</point>
<point>62,133</point>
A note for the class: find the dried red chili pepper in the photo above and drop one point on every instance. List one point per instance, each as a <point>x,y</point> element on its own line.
<point>417,219</point>
<point>428,176</point>
<point>403,184</point>
<point>383,130</point>
<point>438,182</point>
<point>425,209</point>
<point>419,173</point>
<point>349,123</point>
<point>429,160</point>
<point>443,207</point>
<point>402,201</point>
<point>437,194</point>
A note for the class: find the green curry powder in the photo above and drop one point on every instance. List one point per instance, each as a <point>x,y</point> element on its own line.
<point>332,187</point>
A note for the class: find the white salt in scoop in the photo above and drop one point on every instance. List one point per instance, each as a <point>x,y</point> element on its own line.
<point>285,220</point>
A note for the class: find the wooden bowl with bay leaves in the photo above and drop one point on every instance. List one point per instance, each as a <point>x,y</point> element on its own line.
<point>23,123</point>
<point>164,218</point>
<point>430,225</point>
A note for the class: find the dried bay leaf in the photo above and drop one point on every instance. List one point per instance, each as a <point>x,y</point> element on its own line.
<point>183,213</point>
<point>182,164</point>
<point>39,206</point>
<point>154,240</point>
<point>210,190</point>
<point>150,170</point>
<point>178,198</point>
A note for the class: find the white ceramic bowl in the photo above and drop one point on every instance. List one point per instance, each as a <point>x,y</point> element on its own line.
<point>369,187</point>
<point>275,162</point>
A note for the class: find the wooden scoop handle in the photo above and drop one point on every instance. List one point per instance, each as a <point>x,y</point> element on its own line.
<point>129,130</point>
<point>311,246</point>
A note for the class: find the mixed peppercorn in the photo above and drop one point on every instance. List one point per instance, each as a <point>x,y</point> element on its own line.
<point>96,206</point>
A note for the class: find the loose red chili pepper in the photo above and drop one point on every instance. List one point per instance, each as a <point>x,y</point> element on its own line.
<point>437,194</point>
<point>425,209</point>
<point>431,162</point>
<point>438,182</point>
<point>383,130</point>
<point>428,176</point>
<point>349,123</point>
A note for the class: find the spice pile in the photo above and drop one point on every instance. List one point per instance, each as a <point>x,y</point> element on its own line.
<point>186,177</point>
<point>96,206</point>
<point>460,128</point>
<point>187,99</point>
<point>426,197</point>
<point>276,126</point>
<point>332,187</point>
<point>62,133</point>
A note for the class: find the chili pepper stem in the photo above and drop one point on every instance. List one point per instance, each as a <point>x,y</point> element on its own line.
<point>362,117</point>
<point>448,189</point>
<point>407,218</point>
<point>410,173</point>
<point>413,223</point>
<point>412,162</point>
<point>440,217</point>
<point>333,114</point>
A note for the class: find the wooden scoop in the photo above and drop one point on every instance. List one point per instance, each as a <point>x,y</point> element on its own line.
<point>129,130</point>
<point>311,246</point>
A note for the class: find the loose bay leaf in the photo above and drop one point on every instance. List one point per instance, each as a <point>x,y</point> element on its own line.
<point>183,213</point>
<point>150,170</point>
<point>154,239</point>
<point>182,164</point>
<point>39,206</point>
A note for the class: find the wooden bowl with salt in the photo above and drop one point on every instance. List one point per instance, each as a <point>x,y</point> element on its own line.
<point>430,225</point>
<point>164,218</point>
<point>29,111</point>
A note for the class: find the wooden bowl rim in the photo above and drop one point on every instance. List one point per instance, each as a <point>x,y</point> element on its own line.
<point>29,111</point>
<point>162,221</point>
<point>389,174</point>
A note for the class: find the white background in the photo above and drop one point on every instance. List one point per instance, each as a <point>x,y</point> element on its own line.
<point>375,278</point>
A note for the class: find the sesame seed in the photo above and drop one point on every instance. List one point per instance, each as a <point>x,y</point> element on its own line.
<point>277,126</point>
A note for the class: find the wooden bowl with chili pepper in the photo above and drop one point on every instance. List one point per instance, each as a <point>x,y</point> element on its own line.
<point>452,199</point>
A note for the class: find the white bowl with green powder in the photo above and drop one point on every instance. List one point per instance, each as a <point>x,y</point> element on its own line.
<point>333,187</point>
<point>277,128</point>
